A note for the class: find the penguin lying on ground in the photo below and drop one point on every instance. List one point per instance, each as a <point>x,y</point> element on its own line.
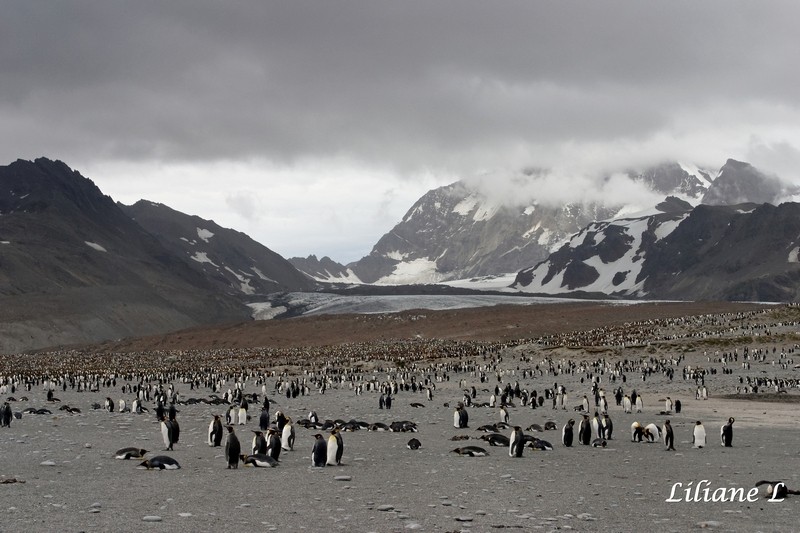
<point>130,453</point>
<point>471,451</point>
<point>259,460</point>
<point>538,444</point>
<point>495,439</point>
<point>162,462</point>
<point>414,444</point>
<point>777,490</point>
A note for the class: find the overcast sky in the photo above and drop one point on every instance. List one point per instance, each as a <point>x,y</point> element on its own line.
<point>314,126</point>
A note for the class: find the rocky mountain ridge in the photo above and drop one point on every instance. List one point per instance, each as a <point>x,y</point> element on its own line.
<point>74,267</point>
<point>458,232</point>
<point>745,252</point>
<point>237,264</point>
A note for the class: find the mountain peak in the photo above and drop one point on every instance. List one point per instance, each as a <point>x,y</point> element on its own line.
<point>739,182</point>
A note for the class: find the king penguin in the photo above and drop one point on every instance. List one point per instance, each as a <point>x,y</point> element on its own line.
<point>319,453</point>
<point>726,434</point>
<point>259,443</point>
<point>263,420</point>
<point>652,433</point>
<point>176,428</point>
<point>414,444</point>
<point>273,444</point>
<point>585,431</point>
<point>777,490</point>
<point>215,432</point>
<point>232,449</point>
<point>608,427</point>
<point>335,448</point>
<point>567,434</point>
<point>280,420</point>
<point>6,415</point>
<point>130,453</point>
<point>637,432</point>
<point>699,435</point>
<point>258,460</point>
<point>287,435</point>
<point>669,436</point>
<point>168,433</point>
<point>626,404</point>
<point>460,417</point>
<point>516,443</point>
<point>162,462</point>
<point>597,426</point>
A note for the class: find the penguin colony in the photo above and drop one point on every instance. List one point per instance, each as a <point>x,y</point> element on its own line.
<point>223,390</point>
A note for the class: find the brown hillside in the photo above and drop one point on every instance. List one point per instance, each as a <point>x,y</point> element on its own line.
<point>497,323</point>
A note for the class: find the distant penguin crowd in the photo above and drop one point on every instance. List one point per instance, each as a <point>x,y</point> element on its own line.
<point>511,398</point>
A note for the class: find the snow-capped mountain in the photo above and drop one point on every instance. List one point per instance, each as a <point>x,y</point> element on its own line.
<point>456,232</point>
<point>459,232</point>
<point>234,262</point>
<point>604,257</point>
<point>743,252</point>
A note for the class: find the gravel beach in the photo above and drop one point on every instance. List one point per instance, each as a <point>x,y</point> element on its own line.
<point>58,470</point>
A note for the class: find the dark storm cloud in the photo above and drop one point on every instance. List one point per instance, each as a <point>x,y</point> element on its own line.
<point>407,84</point>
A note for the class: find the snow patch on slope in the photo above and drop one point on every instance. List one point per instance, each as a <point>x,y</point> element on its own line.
<point>244,282</point>
<point>694,170</point>
<point>418,271</point>
<point>95,246</point>
<point>261,274</point>
<point>202,257</point>
<point>465,206</point>
<point>480,208</point>
<point>204,234</point>
<point>265,310</point>
<point>348,277</point>
<point>668,227</point>
<point>396,256</point>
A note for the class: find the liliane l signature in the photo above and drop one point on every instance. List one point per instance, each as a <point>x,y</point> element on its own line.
<point>702,492</point>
